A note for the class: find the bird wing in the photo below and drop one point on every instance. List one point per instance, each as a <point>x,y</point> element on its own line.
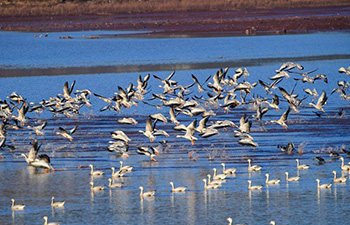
<point>323,99</point>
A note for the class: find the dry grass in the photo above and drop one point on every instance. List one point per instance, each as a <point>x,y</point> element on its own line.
<point>25,8</point>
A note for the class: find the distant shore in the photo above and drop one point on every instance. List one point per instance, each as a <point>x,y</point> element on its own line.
<point>260,21</point>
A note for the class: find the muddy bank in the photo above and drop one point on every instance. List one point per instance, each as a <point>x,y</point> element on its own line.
<point>204,23</point>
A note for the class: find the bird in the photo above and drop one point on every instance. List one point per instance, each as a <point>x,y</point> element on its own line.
<point>267,181</point>
<point>96,188</point>
<point>338,180</point>
<point>283,119</point>
<point>95,173</point>
<point>51,223</point>
<point>38,129</point>
<point>301,167</point>
<point>253,168</point>
<point>218,176</point>
<point>65,133</point>
<point>127,121</point>
<point>114,185</point>
<point>344,167</point>
<point>250,187</point>
<point>323,186</point>
<point>148,151</point>
<point>149,131</point>
<point>209,186</point>
<point>275,102</point>
<point>291,178</point>
<point>322,100</point>
<point>147,193</point>
<point>125,168</point>
<point>119,173</point>
<point>16,207</point>
<point>120,135</point>
<point>178,189</point>
<point>190,130</point>
<point>56,204</point>
<point>227,171</point>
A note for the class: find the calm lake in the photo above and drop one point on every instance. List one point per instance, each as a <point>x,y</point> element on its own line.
<point>286,203</point>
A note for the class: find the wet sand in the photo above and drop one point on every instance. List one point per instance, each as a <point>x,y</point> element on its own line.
<point>183,24</point>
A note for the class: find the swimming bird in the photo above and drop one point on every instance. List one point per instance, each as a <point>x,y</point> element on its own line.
<point>51,223</point>
<point>283,119</point>
<point>113,185</point>
<point>215,181</point>
<point>56,204</point>
<point>65,133</point>
<point>16,207</point>
<point>95,173</point>
<point>344,167</point>
<point>288,148</point>
<point>301,167</point>
<point>338,180</point>
<point>291,178</point>
<point>209,186</point>
<point>322,100</point>
<point>267,181</point>
<point>178,189</point>
<point>96,188</point>
<point>147,193</point>
<point>323,186</point>
<point>250,187</point>
<point>218,176</point>
<point>125,168</point>
<point>253,168</point>
<point>227,171</point>
<point>320,160</point>
<point>118,173</point>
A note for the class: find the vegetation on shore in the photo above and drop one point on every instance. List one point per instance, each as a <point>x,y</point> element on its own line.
<point>32,8</point>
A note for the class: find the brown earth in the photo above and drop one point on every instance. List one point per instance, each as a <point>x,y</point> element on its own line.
<point>201,23</point>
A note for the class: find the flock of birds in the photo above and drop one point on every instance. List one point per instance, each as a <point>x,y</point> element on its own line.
<point>222,91</point>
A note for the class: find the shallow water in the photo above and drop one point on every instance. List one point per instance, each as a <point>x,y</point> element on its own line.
<point>286,203</point>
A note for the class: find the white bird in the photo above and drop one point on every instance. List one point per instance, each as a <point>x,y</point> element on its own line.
<point>283,119</point>
<point>343,166</point>
<point>127,121</point>
<point>178,189</point>
<point>95,173</point>
<point>218,176</point>
<point>16,207</point>
<point>149,130</point>
<point>291,178</point>
<point>51,223</point>
<point>253,168</point>
<point>323,186</point>
<point>209,186</point>
<point>338,180</point>
<point>276,181</point>
<point>214,182</point>
<point>250,187</point>
<point>119,173</point>
<point>125,168</point>
<point>301,167</point>
<point>112,185</point>
<point>56,204</point>
<point>322,100</point>
<point>96,188</point>
<point>227,171</point>
<point>147,193</point>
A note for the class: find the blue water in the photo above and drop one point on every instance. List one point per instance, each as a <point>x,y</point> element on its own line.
<point>23,50</point>
<point>287,203</point>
